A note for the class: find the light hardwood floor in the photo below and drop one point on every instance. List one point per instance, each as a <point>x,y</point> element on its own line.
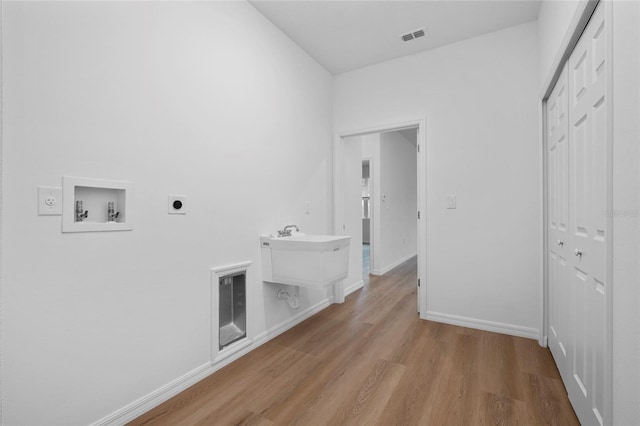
<point>372,361</point>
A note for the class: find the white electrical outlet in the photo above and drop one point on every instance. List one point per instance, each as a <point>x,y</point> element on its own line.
<point>49,201</point>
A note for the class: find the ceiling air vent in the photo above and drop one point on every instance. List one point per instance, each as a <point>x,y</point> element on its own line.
<point>407,37</point>
<point>414,34</point>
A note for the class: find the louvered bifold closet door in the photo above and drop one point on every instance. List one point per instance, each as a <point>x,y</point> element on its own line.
<point>577,120</point>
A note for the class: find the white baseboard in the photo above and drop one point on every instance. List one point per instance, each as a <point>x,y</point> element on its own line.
<point>155,398</point>
<point>382,271</point>
<point>234,350</point>
<point>353,287</point>
<point>497,327</point>
<point>158,396</point>
<point>290,323</point>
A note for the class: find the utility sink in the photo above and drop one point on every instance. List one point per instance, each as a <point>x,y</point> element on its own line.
<point>314,261</point>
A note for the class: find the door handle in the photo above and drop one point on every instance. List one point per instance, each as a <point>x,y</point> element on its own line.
<point>577,252</point>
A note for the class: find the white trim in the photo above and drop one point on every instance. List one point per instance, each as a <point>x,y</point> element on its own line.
<point>423,255</point>
<point>291,322</point>
<point>496,327</point>
<point>421,124</point>
<point>391,127</point>
<point>139,407</point>
<point>393,265</point>
<point>155,398</point>
<point>583,13</point>
<point>231,269</point>
<point>125,202</point>
<point>372,214</point>
<point>232,349</point>
<point>217,273</point>
<point>543,239</point>
<point>608,331</point>
<point>353,287</point>
<point>2,313</point>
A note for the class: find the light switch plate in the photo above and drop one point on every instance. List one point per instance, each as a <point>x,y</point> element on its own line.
<point>177,204</point>
<point>49,201</point>
<point>451,202</point>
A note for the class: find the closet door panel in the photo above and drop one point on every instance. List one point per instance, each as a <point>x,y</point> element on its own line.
<point>587,218</point>
<point>558,202</point>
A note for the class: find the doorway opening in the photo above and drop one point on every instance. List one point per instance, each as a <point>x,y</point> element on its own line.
<point>380,200</point>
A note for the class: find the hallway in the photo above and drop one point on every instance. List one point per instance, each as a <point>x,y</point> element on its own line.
<point>372,361</point>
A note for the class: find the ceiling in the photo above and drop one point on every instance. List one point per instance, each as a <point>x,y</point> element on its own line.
<point>346,35</point>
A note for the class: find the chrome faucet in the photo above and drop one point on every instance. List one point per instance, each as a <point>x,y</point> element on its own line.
<point>111,213</point>
<point>286,232</point>
<point>81,214</point>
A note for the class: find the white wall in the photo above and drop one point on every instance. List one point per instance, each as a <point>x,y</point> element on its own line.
<point>553,22</point>
<point>626,222</point>
<point>398,203</point>
<point>625,31</point>
<point>479,97</point>
<point>208,100</point>
<point>351,219</point>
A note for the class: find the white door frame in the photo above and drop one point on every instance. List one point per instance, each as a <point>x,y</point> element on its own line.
<point>338,207</point>
<point>372,214</point>
<point>576,27</point>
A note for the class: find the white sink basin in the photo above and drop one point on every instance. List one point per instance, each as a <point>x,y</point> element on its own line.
<point>305,260</point>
